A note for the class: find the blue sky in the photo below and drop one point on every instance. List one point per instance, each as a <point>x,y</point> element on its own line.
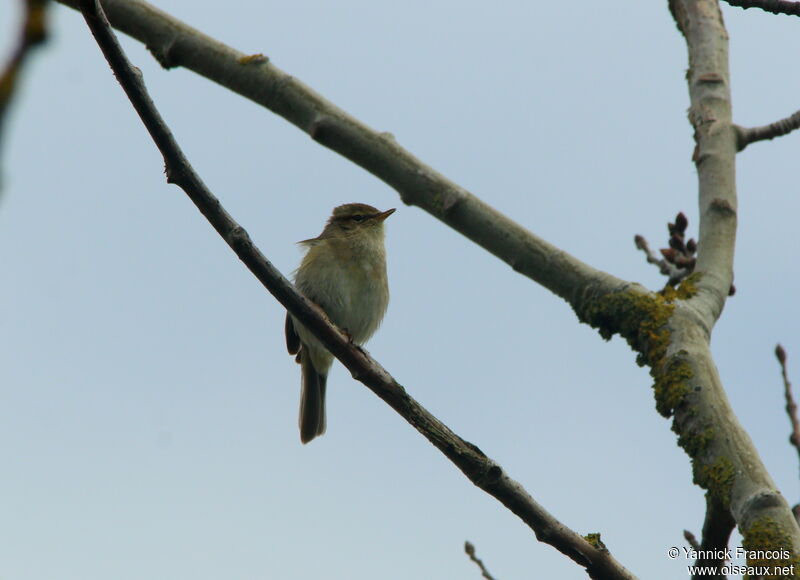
<point>148,424</point>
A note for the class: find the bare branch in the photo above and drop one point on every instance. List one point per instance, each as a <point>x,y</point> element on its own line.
<point>690,537</point>
<point>670,333</point>
<point>791,406</point>
<point>723,457</point>
<point>174,43</point>
<point>717,529</point>
<point>747,135</point>
<point>481,470</point>
<point>700,22</point>
<point>774,6</point>
<point>470,550</point>
<point>32,34</point>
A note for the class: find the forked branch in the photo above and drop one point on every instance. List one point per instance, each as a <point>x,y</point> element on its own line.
<point>481,470</point>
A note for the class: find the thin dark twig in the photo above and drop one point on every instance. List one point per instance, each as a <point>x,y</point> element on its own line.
<point>773,6</point>
<point>747,135</point>
<point>480,469</point>
<point>690,537</point>
<point>791,406</point>
<point>470,550</point>
<point>32,34</point>
<point>717,529</point>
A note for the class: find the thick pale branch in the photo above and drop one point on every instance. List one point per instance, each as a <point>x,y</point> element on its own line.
<point>747,135</point>
<point>481,470</point>
<point>176,44</point>
<point>725,461</point>
<point>700,22</point>
<point>774,6</point>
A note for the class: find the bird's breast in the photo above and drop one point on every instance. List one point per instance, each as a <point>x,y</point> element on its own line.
<point>351,288</point>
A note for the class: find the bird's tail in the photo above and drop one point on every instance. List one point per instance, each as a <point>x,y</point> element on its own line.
<point>312,399</point>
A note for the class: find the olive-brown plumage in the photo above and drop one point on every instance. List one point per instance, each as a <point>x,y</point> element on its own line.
<point>343,272</point>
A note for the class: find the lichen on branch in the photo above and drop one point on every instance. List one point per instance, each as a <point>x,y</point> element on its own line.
<point>642,319</point>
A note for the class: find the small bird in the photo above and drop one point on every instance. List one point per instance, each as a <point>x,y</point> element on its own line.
<point>343,272</point>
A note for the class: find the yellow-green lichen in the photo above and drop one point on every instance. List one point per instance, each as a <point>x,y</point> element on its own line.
<point>638,317</point>
<point>685,289</point>
<point>671,382</point>
<point>688,287</point>
<point>769,544</point>
<point>253,59</point>
<point>694,442</point>
<point>641,318</point>
<point>716,477</point>
<point>594,540</point>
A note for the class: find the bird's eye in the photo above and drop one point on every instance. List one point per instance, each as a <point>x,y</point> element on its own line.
<point>358,218</point>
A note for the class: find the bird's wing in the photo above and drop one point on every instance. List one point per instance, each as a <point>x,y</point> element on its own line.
<point>292,340</point>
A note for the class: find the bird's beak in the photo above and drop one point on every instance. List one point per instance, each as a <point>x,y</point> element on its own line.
<point>385,214</point>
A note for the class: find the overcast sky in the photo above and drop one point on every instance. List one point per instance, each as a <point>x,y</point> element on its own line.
<point>148,410</point>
